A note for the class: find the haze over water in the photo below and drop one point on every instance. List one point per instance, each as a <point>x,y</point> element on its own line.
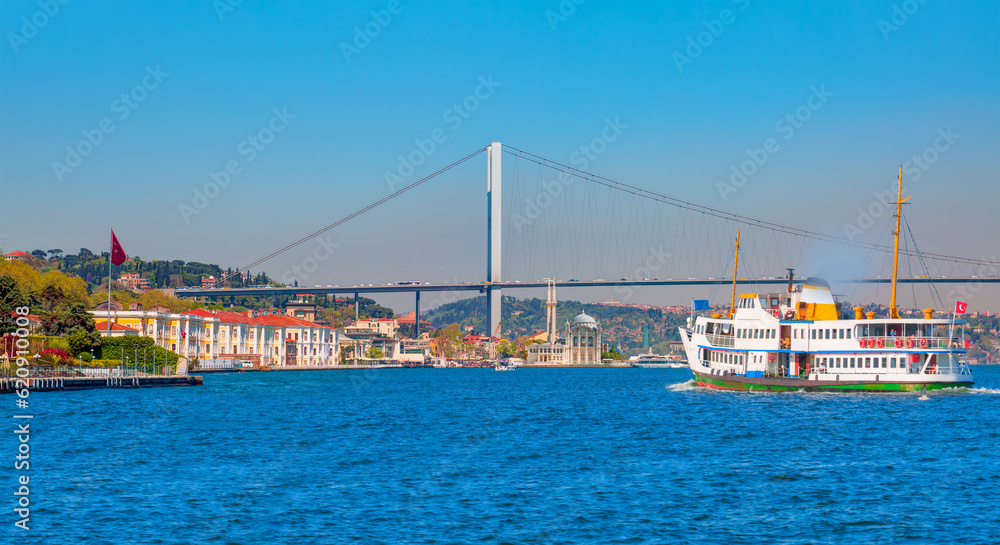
<point>534,456</point>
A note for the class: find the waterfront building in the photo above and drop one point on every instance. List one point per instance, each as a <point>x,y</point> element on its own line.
<point>268,340</point>
<point>116,330</point>
<point>580,346</point>
<point>386,327</point>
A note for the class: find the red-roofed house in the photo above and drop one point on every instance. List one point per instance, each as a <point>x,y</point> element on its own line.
<point>117,330</point>
<point>269,340</point>
<point>17,256</point>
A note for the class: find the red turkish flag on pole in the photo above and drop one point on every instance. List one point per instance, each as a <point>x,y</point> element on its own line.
<point>960,307</point>
<point>117,253</point>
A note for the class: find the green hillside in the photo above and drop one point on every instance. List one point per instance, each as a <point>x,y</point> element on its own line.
<point>623,326</point>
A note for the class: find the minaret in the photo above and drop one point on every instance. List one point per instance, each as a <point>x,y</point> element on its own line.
<point>550,312</point>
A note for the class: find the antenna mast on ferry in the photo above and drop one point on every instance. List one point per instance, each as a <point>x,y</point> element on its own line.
<point>893,313</point>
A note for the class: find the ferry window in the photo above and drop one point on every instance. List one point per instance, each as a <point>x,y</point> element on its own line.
<point>848,333</point>
<point>755,333</point>
<point>868,363</point>
<point>892,363</point>
<point>883,363</point>
<point>852,363</point>
<point>838,363</point>
<point>841,333</point>
<point>827,333</point>
<point>814,334</point>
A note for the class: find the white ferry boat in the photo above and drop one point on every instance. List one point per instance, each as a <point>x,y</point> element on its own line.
<point>797,340</point>
<point>671,361</point>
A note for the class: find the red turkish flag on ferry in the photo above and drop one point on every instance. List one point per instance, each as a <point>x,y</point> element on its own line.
<point>960,307</point>
<point>117,253</point>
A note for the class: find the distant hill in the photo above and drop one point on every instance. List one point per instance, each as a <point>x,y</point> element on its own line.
<point>623,326</point>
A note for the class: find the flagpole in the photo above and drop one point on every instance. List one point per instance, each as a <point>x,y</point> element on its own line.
<point>951,331</point>
<point>110,257</point>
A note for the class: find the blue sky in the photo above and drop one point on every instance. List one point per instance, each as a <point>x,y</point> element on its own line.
<point>892,81</point>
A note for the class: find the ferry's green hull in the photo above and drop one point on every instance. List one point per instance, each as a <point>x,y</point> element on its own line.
<point>763,384</point>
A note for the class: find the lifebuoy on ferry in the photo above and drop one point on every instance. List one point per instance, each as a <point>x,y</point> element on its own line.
<point>771,357</point>
<point>898,343</point>
<point>790,314</point>
<point>880,342</point>
<point>863,343</point>
<point>923,343</point>
<point>909,343</point>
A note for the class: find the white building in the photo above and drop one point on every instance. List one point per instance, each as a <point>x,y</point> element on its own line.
<point>581,345</point>
<point>207,334</point>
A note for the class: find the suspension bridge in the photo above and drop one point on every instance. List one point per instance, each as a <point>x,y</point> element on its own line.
<point>559,221</point>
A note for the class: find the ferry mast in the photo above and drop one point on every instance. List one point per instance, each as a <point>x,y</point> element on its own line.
<point>893,313</point>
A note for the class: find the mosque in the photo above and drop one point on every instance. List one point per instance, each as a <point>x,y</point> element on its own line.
<point>581,345</point>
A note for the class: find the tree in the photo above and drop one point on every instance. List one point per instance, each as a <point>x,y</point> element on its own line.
<point>86,254</point>
<point>55,253</point>
<point>374,353</point>
<point>81,341</point>
<point>68,320</point>
<point>346,353</point>
<point>506,349</point>
<point>40,254</point>
<point>11,297</point>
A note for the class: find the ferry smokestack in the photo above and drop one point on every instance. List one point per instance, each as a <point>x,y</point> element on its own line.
<point>857,312</point>
<point>928,312</point>
<point>791,274</point>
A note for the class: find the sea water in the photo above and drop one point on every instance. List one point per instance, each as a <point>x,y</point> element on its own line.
<point>531,456</point>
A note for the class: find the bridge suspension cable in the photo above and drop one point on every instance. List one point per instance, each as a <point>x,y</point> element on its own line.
<point>738,218</point>
<point>352,215</point>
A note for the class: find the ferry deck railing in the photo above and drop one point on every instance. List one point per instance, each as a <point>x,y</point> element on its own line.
<point>932,342</point>
<point>722,341</point>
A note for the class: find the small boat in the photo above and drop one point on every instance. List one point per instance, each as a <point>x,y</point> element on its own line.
<point>504,366</point>
<point>651,360</point>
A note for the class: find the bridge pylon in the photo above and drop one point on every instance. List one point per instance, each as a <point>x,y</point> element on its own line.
<point>493,232</point>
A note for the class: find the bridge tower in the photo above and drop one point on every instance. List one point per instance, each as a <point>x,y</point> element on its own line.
<point>493,232</point>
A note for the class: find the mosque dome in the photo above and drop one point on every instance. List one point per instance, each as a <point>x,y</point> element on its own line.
<point>584,320</point>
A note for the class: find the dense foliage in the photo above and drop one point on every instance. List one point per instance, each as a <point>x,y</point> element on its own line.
<point>623,326</point>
